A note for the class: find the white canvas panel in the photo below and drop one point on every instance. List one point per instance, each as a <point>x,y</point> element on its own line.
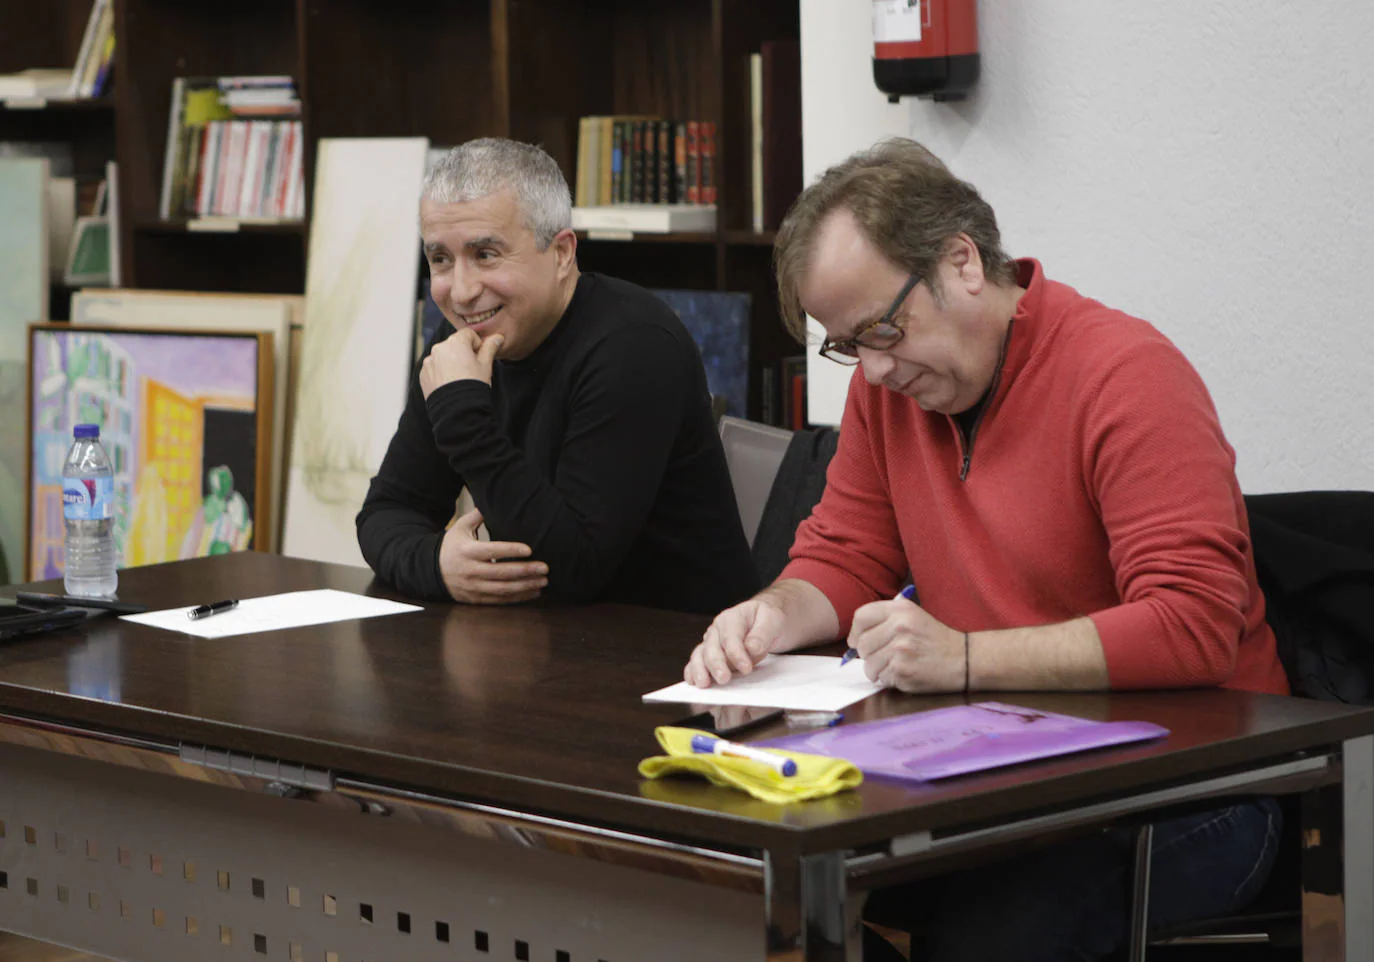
<point>360,292</point>
<point>61,221</point>
<point>23,299</point>
<point>179,310</point>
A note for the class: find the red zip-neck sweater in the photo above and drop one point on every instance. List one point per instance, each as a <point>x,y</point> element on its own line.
<point>1098,482</point>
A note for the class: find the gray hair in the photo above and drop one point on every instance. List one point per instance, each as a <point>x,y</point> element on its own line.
<point>485,166</point>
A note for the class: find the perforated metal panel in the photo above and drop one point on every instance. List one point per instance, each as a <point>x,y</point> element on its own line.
<point>148,867</point>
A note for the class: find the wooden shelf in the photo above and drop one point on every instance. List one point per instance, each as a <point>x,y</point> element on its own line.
<point>528,70</point>
<point>218,226</point>
<point>55,105</point>
<point>644,237</point>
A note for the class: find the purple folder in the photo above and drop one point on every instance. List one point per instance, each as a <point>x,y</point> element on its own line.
<point>925,746</point>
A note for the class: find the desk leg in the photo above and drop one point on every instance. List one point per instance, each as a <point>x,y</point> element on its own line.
<point>1338,862</point>
<point>1358,816</point>
<point>810,915</point>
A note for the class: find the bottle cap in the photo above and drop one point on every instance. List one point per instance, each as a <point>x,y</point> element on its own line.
<point>86,431</point>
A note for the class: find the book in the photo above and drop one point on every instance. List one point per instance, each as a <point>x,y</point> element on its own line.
<point>195,103</point>
<point>645,218</point>
<point>693,154</point>
<point>98,25</point>
<point>756,140</point>
<point>228,159</point>
<point>581,193</point>
<point>35,83</point>
<point>793,370</point>
<point>708,161</point>
<point>931,745</point>
<point>663,192</point>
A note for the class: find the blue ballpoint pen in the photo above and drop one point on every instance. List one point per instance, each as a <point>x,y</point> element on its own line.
<point>908,593</point>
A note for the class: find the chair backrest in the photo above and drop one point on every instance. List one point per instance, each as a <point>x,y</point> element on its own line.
<point>753,452</point>
<point>1314,554</point>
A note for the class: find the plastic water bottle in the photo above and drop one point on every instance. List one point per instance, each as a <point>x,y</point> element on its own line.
<point>88,509</point>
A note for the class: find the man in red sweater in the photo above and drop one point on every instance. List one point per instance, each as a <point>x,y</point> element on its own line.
<point>1052,476</point>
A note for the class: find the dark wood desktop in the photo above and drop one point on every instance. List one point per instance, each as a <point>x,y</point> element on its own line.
<point>487,721</point>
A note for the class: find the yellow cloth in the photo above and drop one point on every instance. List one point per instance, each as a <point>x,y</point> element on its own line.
<point>816,777</point>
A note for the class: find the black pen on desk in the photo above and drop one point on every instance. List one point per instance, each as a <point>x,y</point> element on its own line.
<point>205,611</point>
<point>850,654</point>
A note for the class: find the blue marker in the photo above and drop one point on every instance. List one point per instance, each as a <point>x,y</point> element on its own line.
<point>706,745</point>
<point>908,593</point>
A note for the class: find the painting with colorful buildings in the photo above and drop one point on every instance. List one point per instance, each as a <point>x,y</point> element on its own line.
<point>179,415</point>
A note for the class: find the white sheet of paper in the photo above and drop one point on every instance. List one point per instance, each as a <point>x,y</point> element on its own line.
<point>792,682</point>
<point>294,609</point>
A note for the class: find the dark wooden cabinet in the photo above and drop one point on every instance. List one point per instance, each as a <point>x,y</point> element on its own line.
<point>449,71</point>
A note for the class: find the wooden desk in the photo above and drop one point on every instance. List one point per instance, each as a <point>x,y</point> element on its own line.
<point>460,783</point>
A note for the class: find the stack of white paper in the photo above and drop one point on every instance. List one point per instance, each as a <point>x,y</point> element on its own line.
<point>295,609</point>
<point>791,682</point>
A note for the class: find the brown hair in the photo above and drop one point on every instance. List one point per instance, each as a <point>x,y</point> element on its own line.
<point>907,204</point>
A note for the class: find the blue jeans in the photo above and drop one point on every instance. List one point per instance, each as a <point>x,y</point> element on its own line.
<point>1071,901</point>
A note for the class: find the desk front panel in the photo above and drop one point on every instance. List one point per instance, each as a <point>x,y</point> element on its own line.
<point>148,867</point>
<point>539,709</point>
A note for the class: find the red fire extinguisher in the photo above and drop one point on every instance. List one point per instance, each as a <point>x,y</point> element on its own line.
<point>925,48</point>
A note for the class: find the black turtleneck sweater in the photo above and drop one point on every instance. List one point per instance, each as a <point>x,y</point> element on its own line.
<point>597,450</point>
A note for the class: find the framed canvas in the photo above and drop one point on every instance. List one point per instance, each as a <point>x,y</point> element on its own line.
<point>189,310</point>
<point>23,300</point>
<point>719,322</point>
<point>360,284</point>
<point>186,417</point>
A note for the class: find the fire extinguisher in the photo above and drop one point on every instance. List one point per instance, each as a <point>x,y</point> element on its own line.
<point>925,48</point>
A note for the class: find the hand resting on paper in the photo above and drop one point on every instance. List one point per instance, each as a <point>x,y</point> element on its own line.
<point>784,616</point>
<point>904,647</point>
<point>488,572</point>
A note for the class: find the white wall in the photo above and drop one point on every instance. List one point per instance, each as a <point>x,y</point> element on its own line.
<point>1206,166</point>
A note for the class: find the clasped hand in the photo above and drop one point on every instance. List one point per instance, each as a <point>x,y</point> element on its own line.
<point>462,356</point>
<point>901,644</point>
<point>488,572</point>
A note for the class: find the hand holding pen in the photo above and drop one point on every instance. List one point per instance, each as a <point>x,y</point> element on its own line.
<point>909,592</point>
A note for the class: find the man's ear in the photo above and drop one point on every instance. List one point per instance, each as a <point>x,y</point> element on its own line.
<point>967,262</point>
<point>565,251</point>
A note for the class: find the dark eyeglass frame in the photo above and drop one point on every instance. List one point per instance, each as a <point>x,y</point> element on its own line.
<point>846,349</point>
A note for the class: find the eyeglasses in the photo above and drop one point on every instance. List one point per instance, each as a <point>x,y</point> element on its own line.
<point>881,335</point>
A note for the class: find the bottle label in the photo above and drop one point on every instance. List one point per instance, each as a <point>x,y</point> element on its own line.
<point>87,499</point>
<point>898,21</point>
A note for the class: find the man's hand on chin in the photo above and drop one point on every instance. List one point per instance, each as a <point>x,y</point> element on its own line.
<point>464,356</point>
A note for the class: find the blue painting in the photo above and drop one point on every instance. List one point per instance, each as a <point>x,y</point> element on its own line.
<point>719,322</point>
<point>430,319</point>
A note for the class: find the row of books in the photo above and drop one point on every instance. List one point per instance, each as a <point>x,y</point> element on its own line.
<point>89,77</point>
<point>783,393</point>
<point>247,168</point>
<point>94,61</point>
<point>232,149</point>
<point>626,159</point>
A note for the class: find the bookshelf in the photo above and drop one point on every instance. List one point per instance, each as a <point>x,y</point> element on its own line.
<point>527,69</point>
<point>49,35</point>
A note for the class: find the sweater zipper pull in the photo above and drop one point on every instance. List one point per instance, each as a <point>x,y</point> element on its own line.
<point>968,457</point>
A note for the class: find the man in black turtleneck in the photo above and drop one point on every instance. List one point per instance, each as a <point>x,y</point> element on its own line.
<point>573,407</point>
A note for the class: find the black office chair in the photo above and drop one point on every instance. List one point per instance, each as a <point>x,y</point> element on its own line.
<point>798,485</point>
<point>1314,554</point>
